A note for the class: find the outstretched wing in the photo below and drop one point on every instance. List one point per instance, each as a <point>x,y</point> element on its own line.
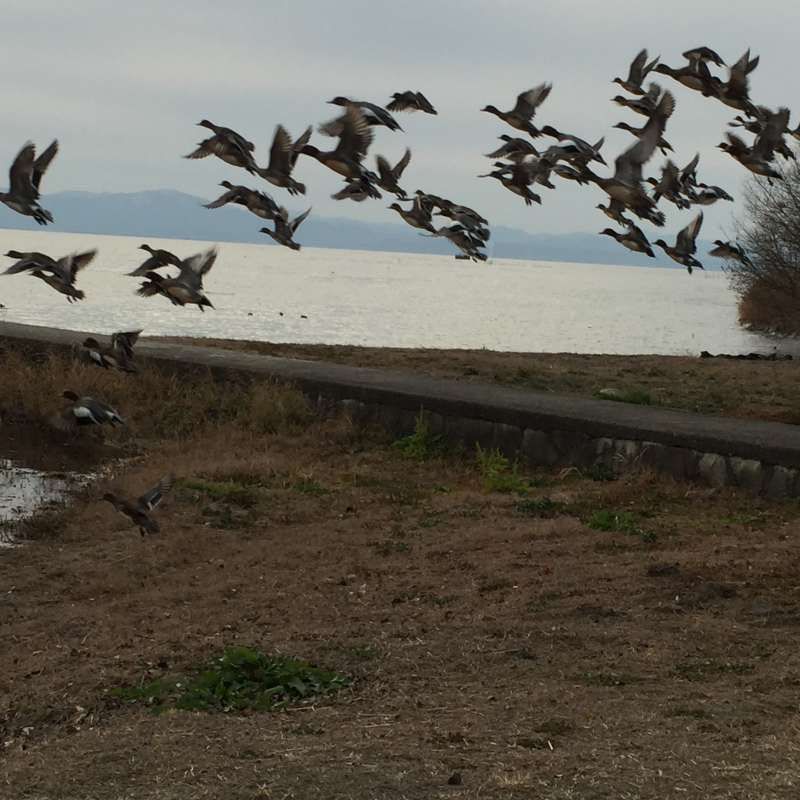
<point>686,241</point>
<point>43,162</point>
<point>400,166</point>
<point>281,151</point>
<point>628,166</point>
<point>20,176</point>
<point>298,221</point>
<point>356,135</point>
<point>124,341</point>
<point>195,267</point>
<point>636,72</point>
<point>151,498</point>
<point>529,101</point>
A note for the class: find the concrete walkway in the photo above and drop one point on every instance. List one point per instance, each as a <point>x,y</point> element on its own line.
<point>766,442</point>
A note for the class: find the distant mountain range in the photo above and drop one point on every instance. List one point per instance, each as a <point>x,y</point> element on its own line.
<point>171,214</point>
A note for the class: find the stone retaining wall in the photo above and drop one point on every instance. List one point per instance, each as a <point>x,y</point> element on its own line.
<point>536,427</point>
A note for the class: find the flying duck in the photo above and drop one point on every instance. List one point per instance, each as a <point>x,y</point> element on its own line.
<point>626,183</point>
<point>187,287</point>
<point>227,145</point>
<point>283,156</point>
<point>24,178</point>
<point>375,115</point>
<point>695,75</point>
<point>730,252</point>
<point>614,211</point>
<point>410,101</point>
<point>88,411</point>
<point>284,230</point>
<point>663,145</point>
<point>644,105</point>
<point>524,110</point>
<point>669,186</point>
<point>704,54</point>
<point>514,149</point>
<point>577,149</point>
<point>354,141</point>
<point>639,70</point>
<point>708,195</point>
<point>758,157</point>
<point>359,189</point>
<point>466,242</point>
<point>118,356</point>
<point>60,273</point>
<point>417,216</point>
<point>519,176</point>
<point>258,203</point>
<point>685,245</point>
<point>736,91</point>
<point>157,260</point>
<point>137,511</point>
<point>389,175</point>
<point>633,239</point>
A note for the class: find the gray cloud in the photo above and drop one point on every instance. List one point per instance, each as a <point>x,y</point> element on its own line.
<point>122,86</point>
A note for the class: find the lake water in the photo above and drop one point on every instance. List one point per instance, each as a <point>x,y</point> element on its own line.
<point>391,299</point>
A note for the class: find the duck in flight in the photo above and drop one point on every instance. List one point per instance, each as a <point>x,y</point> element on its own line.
<point>524,109</point>
<point>187,287</point>
<point>24,179</point>
<point>284,230</point>
<point>685,245</point>
<point>138,510</point>
<point>410,101</point>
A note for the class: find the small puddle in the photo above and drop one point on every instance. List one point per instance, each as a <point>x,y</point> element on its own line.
<point>24,491</point>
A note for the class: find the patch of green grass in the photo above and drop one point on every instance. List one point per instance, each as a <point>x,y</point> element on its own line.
<point>422,444</point>
<point>230,492</point>
<point>498,473</point>
<point>619,522</point>
<point>494,585</point>
<point>241,679</point>
<point>390,547</point>
<point>310,487</point>
<point>540,507</point>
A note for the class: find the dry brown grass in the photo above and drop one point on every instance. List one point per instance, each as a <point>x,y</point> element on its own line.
<point>749,389</point>
<point>534,656</point>
<point>156,403</point>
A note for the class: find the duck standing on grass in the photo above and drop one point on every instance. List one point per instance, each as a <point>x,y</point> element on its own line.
<point>137,511</point>
<point>87,411</point>
<point>24,178</point>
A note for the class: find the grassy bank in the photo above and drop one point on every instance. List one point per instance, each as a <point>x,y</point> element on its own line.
<point>748,389</point>
<point>474,629</point>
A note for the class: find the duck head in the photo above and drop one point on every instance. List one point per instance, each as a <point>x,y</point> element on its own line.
<point>661,243</point>
<point>339,101</point>
<point>309,150</point>
<point>623,101</point>
<point>110,497</point>
<point>491,109</point>
<point>68,394</point>
<point>619,81</point>
<point>720,243</point>
<point>226,184</point>
<point>624,126</point>
<point>146,247</point>
<point>204,123</point>
<point>608,232</point>
<point>395,207</point>
<point>91,343</point>
<point>14,254</point>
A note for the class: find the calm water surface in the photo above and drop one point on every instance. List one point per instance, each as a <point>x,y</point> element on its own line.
<point>391,299</point>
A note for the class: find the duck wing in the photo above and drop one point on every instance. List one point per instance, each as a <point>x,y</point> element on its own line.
<point>41,164</point>
<point>231,196</point>
<point>384,117</point>
<point>20,175</point>
<point>400,166</point>
<point>686,241</point>
<point>356,135</point>
<point>628,166</point>
<point>194,268</point>
<point>529,101</point>
<point>280,154</point>
<point>123,341</point>
<point>738,84</point>
<point>299,143</point>
<point>31,261</point>
<point>69,266</point>
<point>425,104</point>
<point>152,497</point>
<point>298,221</point>
<point>771,135</point>
<point>636,72</point>
<point>688,176</point>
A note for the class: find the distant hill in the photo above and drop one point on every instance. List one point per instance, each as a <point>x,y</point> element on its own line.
<point>170,214</point>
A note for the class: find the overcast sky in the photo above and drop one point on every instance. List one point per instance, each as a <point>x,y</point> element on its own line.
<point>123,85</point>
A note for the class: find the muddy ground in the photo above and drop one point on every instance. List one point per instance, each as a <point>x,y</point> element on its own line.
<point>487,634</point>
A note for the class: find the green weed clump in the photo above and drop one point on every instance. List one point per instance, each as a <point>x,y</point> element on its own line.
<point>618,522</point>
<point>542,507</point>
<point>241,679</point>
<point>423,444</point>
<point>498,473</point>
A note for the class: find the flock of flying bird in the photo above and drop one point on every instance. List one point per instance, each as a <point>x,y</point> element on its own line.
<point>519,165</point>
